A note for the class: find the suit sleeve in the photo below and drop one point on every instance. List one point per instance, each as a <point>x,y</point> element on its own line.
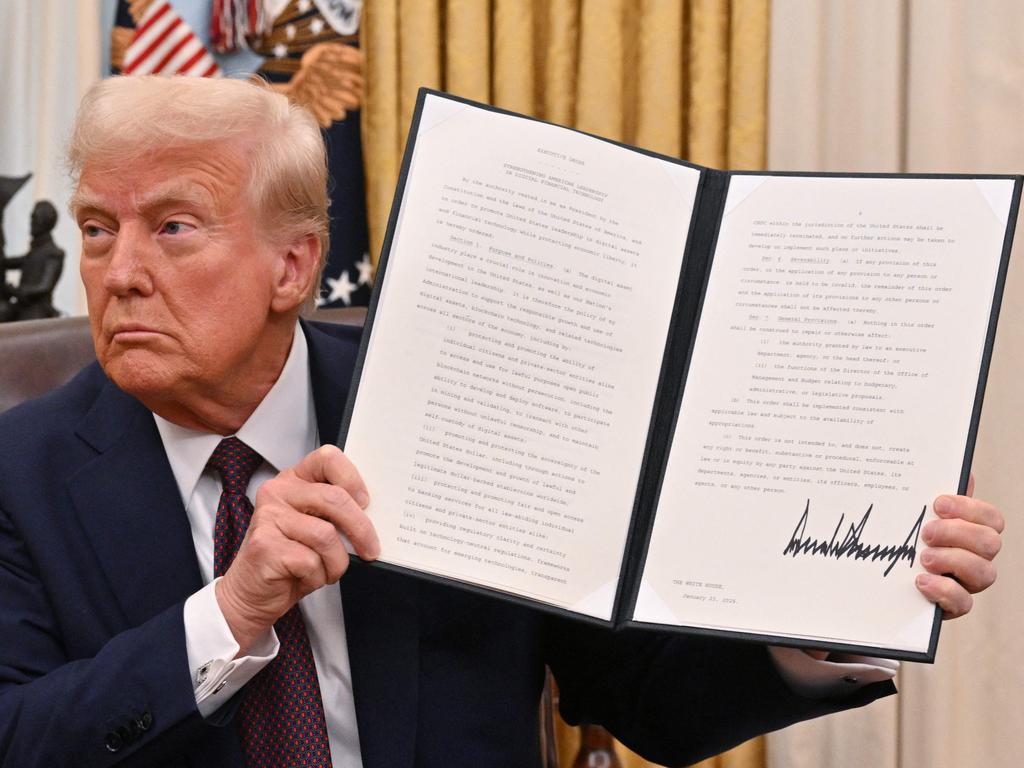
<point>130,704</point>
<point>677,699</point>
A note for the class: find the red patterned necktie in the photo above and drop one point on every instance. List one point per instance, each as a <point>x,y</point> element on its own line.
<point>281,718</point>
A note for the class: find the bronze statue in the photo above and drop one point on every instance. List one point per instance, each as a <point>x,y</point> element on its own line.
<point>32,298</point>
<point>9,186</point>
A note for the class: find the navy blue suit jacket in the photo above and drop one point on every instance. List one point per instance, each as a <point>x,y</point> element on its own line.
<point>96,561</point>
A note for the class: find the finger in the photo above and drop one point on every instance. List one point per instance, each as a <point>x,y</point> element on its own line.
<point>952,598</point>
<point>268,554</point>
<point>972,510</point>
<point>327,464</point>
<point>973,572</point>
<point>331,503</point>
<point>310,498</point>
<point>328,502</point>
<point>271,557</point>
<point>303,566</point>
<point>970,484</point>
<point>336,505</point>
<point>321,537</point>
<point>961,534</point>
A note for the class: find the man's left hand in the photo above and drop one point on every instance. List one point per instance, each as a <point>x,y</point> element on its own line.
<point>961,545</point>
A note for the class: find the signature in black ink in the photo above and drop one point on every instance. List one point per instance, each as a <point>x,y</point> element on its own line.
<point>851,545</point>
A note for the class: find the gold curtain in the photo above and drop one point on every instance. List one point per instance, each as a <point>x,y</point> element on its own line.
<point>686,78</point>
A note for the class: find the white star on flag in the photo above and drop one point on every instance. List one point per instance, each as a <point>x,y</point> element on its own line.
<point>341,288</point>
<point>303,6</point>
<point>316,26</point>
<point>365,270</point>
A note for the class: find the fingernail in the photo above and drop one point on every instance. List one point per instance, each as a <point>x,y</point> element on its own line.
<point>362,498</point>
<point>373,551</point>
<point>943,506</point>
<point>927,557</point>
<point>923,580</point>
<point>928,533</point>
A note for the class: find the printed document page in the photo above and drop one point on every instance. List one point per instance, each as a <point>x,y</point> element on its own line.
<point>828,402</point>
<point>506,397</point>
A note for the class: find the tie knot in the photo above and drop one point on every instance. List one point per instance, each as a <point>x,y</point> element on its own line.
<point>235,462</point>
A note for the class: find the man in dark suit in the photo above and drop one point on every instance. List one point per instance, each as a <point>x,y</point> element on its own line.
<point>169,527</point>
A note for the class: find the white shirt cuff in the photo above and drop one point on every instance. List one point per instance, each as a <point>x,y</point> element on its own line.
<point>216,674</point>
<point>839,675</point>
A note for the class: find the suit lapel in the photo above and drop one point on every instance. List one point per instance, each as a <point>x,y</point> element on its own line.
<point>129,507</point>
<point>380,607</point>
<point>331,362</point>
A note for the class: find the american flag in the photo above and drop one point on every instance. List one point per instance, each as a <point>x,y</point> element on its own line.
<point>165,44</point>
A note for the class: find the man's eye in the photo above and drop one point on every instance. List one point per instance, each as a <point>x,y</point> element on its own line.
<point>177,228</point>
<point>91,230</point>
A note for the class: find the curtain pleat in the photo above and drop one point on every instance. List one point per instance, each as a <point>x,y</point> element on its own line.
<point>419,55</point>
<point>682,77</point>
<point>660,80</point>
<point>748,86</point>
<point>707,124</point>
<point>468,49</point>
<point>600,105</point>
<point>562,28</point>
<point>514,79</point>
<point>381,135</point>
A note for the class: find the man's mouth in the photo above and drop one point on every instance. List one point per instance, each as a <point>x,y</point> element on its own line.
<point>128,332</point>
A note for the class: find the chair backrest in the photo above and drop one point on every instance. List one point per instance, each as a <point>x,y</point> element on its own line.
<point>39,355</point>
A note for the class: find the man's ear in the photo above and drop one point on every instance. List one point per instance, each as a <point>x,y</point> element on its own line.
<point>296,270</point>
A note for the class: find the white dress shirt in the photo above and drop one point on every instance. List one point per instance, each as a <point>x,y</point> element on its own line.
<point>283,430</point>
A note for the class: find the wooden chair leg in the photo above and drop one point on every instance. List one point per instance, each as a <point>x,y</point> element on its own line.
<point>597,749</point>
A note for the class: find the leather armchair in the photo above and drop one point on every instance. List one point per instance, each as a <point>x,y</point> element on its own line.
<point>39,355</point>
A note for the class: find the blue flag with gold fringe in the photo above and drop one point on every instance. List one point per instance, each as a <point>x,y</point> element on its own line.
<point>308,50</point>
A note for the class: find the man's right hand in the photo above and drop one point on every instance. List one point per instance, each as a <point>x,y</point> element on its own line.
<point>293,545</point>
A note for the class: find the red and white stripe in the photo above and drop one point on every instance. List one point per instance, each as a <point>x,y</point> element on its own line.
<point>165,44</point>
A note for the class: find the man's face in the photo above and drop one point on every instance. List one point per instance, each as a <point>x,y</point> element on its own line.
<point>179,281</point>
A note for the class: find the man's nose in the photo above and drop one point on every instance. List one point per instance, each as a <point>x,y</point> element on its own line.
<point>128,267</point>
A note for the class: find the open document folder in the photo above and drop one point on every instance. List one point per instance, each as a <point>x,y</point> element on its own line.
<point>644,392</point>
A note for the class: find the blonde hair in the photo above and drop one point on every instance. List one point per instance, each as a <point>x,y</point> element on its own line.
<point>123,118</point>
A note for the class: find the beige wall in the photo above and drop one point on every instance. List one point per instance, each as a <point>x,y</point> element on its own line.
<point>923,85</point>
